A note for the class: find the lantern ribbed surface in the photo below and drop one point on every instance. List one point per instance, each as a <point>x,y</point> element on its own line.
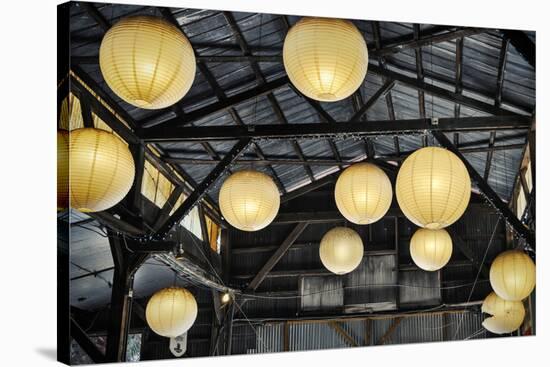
<point>101,169</point>
<point>513,275</point>
<point>171,311</point>
<point>506,316</point>
<point>62,169</point>
<point>363,193</point>
<point>249,200</point>
<point>326,59</point>
<point>431,249</point>
<point>341,250</point>
<point>147,62</point>
<point>433,188</point>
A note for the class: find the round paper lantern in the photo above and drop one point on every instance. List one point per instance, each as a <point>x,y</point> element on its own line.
<point>433,188</point>
<point>431,249</point>
<point>513,275</point>
<point>506,316</point>
<point>147,62</point>
<point>101,169</point>
<point>363,193</point>
<point>341,250</point>
<point>171,311</point>
<point>249,200</point>
<point>62,169</point>
<point>326,59</point>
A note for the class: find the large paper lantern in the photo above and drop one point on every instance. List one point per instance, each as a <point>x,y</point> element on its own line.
<point>431,249</point>
<point>147,62</point>
<point>325,59</point>
<point>341,250</point>
<point>433,188</point>
<point>62,169</point>
<point>506,316</point>
<point>513,275</point>
<point>363,193</point>
<point>101,169</point>
<point>249,200</point>
<point>171,311</point>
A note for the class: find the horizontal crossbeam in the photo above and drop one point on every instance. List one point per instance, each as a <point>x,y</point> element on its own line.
<point>170,133</point>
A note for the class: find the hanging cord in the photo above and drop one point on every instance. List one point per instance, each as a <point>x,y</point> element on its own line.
<point>475,334</point>
<point>477,275</point>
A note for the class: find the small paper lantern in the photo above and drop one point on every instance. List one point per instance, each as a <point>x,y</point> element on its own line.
<point>431,249</point>
<point>326,59</point>
<point>249,200</point>
<point>433,188</point>
<point>363,193</point>
<point>513,275</point>
<point>101,169</point>
<point>147,62</point>
<point>171,311</point>
<point>506,316</point>
<point>62,169</point>
<point>341,250</point>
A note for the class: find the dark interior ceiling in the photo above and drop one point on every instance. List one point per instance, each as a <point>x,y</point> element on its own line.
<point>416,71</point>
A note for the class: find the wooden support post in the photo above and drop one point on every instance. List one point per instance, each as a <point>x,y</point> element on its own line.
<point>368,331</point>
<point>286,337</point>
<point>229,328</point>
<point>126,264</point>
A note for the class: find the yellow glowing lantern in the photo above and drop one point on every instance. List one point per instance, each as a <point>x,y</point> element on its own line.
<point>433,188</point>
<point>147,61</point>
<point>363,193</point>
<point>101,169</point>
<point>431,249</point>
<point>506,316</point>
<point>249,200</point>
<point>513,275</point>
<point>171,311</point>
<point>325,59</point>
<point>62,169</point>
<point>341,250</point>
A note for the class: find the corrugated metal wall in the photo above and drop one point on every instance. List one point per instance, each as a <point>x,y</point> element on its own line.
<point>319,334</point>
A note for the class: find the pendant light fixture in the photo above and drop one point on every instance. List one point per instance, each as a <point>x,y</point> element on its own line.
<point>431,249</point>
<point>433,188</point>
<point>506,316</point>
<point>513,275</point>
<point>171,311</point>
<point>341,250</point>
<point>325,59</point>
<point>101,169</point>
<point>363,193</point>
<point>147,62</point>
<point>249,200</point>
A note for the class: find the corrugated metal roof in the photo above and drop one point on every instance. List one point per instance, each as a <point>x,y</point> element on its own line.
<point>209,32</point>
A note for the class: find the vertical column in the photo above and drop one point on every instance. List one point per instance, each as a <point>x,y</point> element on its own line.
<point>126,264</point>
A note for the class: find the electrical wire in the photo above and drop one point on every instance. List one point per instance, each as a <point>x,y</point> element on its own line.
<point>478,272</point>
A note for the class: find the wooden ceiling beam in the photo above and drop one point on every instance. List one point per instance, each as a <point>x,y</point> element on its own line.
<point>276,256</point>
